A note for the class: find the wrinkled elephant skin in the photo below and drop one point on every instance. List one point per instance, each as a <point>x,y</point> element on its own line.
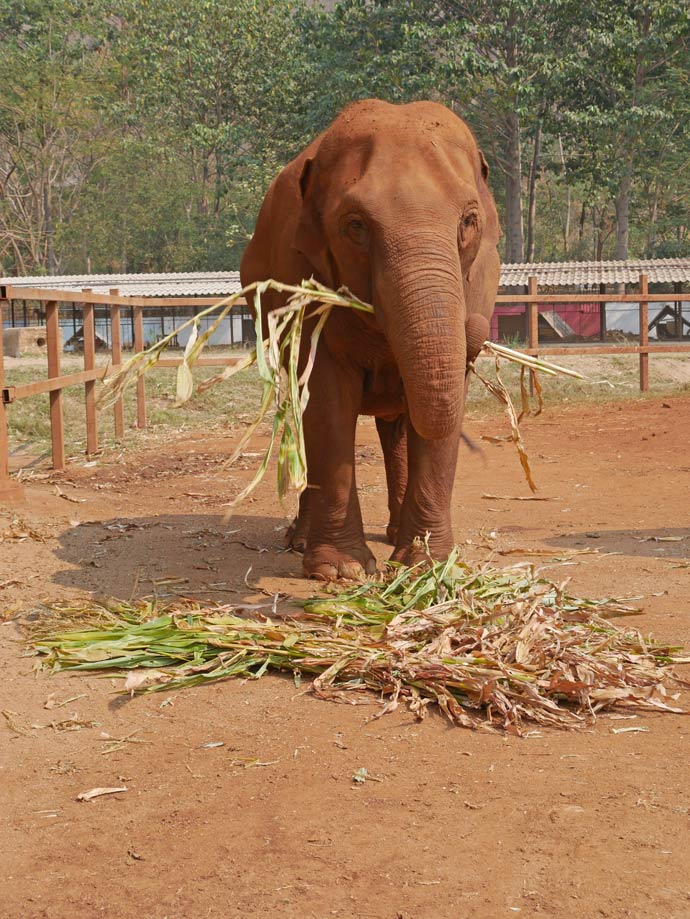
<point>392,202</point>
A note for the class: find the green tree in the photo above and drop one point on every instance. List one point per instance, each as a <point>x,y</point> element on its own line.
<point>500,63</point>
<point>215,84</point>
<point>52,134</point>
<point>624,98</point>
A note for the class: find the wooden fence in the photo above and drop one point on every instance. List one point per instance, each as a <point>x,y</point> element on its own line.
<point>56,382</point>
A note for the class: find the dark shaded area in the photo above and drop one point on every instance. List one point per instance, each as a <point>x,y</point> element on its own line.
<point>657,543</point>
<point>196,555</point>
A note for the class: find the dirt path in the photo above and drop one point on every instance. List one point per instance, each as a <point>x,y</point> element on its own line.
<point>461,824</point>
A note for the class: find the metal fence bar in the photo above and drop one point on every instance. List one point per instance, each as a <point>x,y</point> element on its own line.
<point>54,343</point>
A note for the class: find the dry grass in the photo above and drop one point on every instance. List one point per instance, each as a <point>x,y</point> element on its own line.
<point>212,410</point>
<point>493,648</point>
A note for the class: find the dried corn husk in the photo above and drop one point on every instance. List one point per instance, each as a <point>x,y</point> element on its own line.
<point>494,648</point>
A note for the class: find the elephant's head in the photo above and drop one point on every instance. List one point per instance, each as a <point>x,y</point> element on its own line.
<point>395,206</point>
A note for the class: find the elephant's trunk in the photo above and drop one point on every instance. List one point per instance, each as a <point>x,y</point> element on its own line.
<point>420,299</point>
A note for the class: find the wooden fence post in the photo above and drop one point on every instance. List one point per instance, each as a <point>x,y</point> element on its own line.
<point>89,331</point>
<point>141,386</point>
<point>57,424</point>
<point>10,490</point>
<point>532,324</point>
<point>116,356</point>
<point>644,333</point>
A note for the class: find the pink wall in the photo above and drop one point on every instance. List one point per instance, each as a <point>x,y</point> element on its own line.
<point>583,318</point>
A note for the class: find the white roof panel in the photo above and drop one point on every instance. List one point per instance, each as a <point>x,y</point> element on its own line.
<point>223,283</point>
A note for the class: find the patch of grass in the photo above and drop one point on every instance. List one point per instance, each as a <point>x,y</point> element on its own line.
<point>222,405</point>
<point>668,375</point>
<point>214,409</point>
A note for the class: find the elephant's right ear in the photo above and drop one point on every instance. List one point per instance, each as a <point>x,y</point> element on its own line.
<point>310,238</point>
<point>484,167</point>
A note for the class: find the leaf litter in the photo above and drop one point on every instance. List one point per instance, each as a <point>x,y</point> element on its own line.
<point>493,648</point>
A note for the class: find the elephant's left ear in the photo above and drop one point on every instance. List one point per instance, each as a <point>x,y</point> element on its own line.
<point>310,238</point>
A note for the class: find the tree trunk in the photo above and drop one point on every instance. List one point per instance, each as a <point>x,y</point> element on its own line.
<point>566,224</point>
<point>514,226</point>
<point>599,236</point>
<point>202,207</point>
<point>51,262</point>
<point>532,195</point>
<point>623,214</point>
<point>653,217</point>
<point>583,213</point>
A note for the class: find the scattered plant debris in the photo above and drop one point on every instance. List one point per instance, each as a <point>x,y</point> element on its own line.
<point>494,648</point>
<point>99,792</point>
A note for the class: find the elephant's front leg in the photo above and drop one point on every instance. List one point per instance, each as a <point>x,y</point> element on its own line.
<point>335,547</point>
<point>393,437</point>
<point>297,532</point>
<point>426,508</point>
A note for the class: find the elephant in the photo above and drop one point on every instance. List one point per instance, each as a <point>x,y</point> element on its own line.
<point>392,202</point>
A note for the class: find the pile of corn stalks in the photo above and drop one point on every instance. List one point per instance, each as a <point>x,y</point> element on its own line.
<point>285,390</point>
<point>493,648</point>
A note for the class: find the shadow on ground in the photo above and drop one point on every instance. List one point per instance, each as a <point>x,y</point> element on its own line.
<point>174,555</point>
<point>658,543</point>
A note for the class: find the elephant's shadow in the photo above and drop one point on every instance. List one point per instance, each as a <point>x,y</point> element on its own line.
<point>178,554</point>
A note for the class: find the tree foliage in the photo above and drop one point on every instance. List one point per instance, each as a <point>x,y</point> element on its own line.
<point>142,134</point>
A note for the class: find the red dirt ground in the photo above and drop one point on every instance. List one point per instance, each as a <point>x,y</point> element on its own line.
<point>461,824</point>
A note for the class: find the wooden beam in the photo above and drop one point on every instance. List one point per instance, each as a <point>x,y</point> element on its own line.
<point>44,295</point>
<point>201,362</point>
<point>13,393</point>
<point>590,298</point>
<point>89,331</point>
<point>532,324</point>
<point>64,296</point>
<point>141,385</point>
<point>10,489</point>
<point>116,356</point>
<point>644,334</point>
<point>57,424</point>
<point>547,350</point>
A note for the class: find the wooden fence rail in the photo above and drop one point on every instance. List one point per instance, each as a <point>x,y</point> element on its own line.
<point>56,382</point>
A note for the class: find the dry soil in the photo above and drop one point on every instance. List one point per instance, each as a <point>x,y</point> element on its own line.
<point>270,824</point>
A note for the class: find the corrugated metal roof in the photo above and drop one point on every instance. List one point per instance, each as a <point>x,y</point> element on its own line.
<point>592,274</point>
<point>223,283</point>
<point>187,284</point>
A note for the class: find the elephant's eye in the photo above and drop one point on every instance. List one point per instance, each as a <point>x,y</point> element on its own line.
<point>468,223</point>
<point>469,219</point>
<point>355,228</point>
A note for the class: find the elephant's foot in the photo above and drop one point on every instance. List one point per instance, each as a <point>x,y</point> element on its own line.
<point>296,534</point>
<point>329,563</point>
<point>392,533</point>
<point>411,550</point>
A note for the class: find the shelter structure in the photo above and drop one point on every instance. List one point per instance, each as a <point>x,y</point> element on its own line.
<point>237,329</point>
<point>598,321</point>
